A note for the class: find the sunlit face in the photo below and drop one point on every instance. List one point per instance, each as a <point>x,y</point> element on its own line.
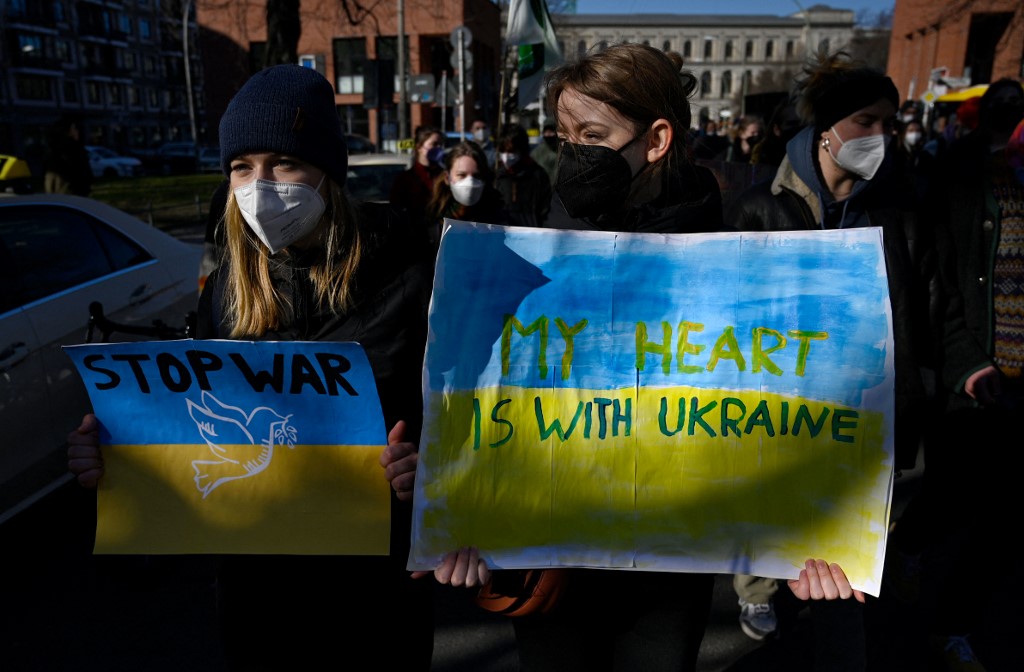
<point>463,167</point>
<point>875,119</point>
<point>433,142</point>
<point>273,167</point>
<point>583,120</point>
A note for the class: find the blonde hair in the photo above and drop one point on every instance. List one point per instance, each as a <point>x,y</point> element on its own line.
<point>250,298</point>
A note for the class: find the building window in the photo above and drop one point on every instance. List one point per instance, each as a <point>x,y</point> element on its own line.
<point>128,58</point>
<point>32,87</point>
<point>666,45</point>
<point>824,45</point>
<point>748,49</point>
<point>728,50</point>
<point>349,55</point>
<point>59,16</point>
<point>62,50</point>
<point>114,94</point>
<point>789,49</point>
<point>705,84</point>
<point>726,84</point>
<point>124,24</point>
<point>70,92</point>
<point>154,98</point>
<point>134,97</point>
<point>708,46</point>
<point>602,45</point>
<point>387,49</point>
<point>145,30</point>
<point>769,50</point>
<point>687,49</point>
<point>93,93</point>
<point>581,48</point>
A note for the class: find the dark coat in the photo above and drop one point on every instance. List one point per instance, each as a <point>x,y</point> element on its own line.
<point>789,203</point>
<point>526,192</point>
<point>301,595</point>
<point>962,205</point>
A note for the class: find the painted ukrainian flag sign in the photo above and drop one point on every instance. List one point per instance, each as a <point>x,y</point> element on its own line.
<point>707,403</point>
<point>237,447</point>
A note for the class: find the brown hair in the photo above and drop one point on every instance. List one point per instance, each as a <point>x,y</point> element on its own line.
<point>640,82</point>
<point>423,133</point>
<point>442,197</point>
<point>833,86</point>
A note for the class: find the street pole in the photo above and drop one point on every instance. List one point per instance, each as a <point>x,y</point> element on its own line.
<point>462,85</point>
<point>188,79</point>
<point>403,124</point>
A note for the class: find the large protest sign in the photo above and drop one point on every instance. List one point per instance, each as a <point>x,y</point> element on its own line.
<point>713,403</point>
<point>237,447</point>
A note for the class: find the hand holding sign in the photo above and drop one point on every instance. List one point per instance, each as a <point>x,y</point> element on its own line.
<point>85,460</point>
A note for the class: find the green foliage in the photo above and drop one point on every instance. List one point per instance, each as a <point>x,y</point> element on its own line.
<point>169,202</point>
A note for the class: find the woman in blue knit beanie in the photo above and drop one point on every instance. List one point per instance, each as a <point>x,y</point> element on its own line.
<point>302,263</point>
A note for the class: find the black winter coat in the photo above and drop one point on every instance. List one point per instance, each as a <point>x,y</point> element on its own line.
<point>784,204</point>
<point>298,597</point>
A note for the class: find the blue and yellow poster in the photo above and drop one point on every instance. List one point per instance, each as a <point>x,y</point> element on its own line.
<point>707,403</point>
<point>237,447</point>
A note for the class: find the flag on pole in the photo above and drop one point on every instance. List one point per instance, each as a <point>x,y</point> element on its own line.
<point>529,29</point>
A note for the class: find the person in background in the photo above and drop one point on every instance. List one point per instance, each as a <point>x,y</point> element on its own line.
<point>481,133</point>
<point>327,272</point>
<point>623,166</point>
<point>66,166</point>
<point>413,187</point>
<point>749,133</point>
<point>783,124</point>
<point>546,153</point>
<point>464,190</point>
<point>839,172</point>
<point>709,143</point>
<point>912,156</point>
<point>976,202</point>
<point>524,186</point>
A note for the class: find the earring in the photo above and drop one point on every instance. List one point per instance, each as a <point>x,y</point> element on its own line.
<point>825,143</point>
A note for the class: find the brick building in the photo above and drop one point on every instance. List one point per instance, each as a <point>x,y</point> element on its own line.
<point>338,43</point>
<point>939,45</point>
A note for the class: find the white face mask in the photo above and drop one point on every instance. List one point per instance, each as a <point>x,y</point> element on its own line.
<point>860,156</point>
<point>468,191</point>
<point>280,213</point>
<point>508,158</point>
<point>480,135</point>
<point>912,138</point>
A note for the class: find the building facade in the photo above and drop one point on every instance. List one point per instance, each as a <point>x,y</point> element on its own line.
<point>942,45</point>
<point>356,49</point>
<point>731,56</point>
<point>117,67</point>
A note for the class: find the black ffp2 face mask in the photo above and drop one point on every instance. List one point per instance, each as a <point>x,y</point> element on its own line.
<point>593,179</point>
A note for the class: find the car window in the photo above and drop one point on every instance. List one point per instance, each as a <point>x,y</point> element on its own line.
<point>51,249</point>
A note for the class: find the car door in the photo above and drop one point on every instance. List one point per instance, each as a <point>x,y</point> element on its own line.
<point>56,261</point>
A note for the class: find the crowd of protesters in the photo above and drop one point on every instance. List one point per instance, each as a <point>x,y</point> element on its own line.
<point>841,152</point>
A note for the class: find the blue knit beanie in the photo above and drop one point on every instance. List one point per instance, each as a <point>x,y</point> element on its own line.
<point>287,109</point>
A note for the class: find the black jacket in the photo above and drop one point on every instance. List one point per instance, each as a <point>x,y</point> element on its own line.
<point>789,203</point>
<point>389,319</point>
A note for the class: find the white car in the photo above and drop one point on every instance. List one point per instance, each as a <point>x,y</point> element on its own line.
<point>108,163</point>
<point>58,255</point>
<point>370,175</point>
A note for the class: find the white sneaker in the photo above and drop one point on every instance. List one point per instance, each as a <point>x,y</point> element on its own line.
<point>757,620</point>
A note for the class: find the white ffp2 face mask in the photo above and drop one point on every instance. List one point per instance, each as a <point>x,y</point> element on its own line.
<point>861,156</point>
<point>280,213</point>
<point>468,190</point>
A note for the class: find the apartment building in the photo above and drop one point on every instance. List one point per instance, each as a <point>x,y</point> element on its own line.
<point>117,66</point>
<point>356,47</point>
<point>943,45</point>
<point>728,54</point>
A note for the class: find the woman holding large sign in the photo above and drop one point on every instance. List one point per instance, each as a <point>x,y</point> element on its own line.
<point>622,116</point>
<point>302,263</point>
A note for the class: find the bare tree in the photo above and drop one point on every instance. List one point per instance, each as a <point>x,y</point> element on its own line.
<point>284,27</point>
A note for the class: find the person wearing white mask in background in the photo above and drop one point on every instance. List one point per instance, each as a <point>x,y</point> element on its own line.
<point>481,134</point>
<point>525,187</point>
<point>913,157</point>
<point>465,190</point>
<point>841,171</point>
<point>303,263</point>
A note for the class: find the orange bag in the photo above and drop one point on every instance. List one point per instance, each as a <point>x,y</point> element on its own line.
<point>521,592</point>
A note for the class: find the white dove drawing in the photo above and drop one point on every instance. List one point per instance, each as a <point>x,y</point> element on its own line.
<point>243,444</point>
